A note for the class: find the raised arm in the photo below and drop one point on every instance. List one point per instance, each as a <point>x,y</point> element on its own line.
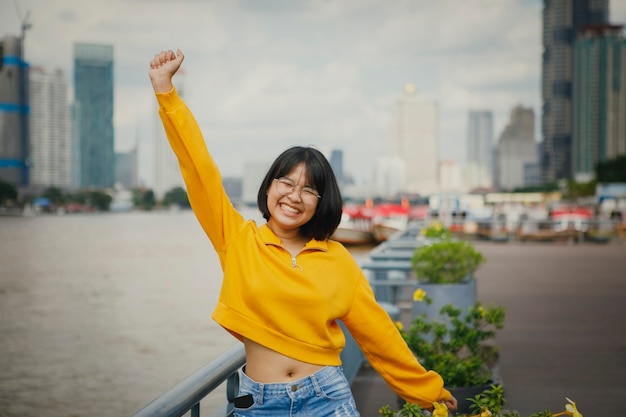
<point>207,196</point>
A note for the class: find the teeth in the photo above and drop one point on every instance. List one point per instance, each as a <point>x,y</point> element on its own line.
<point>289,208</point>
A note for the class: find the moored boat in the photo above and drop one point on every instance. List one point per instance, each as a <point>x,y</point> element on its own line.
<point>389,219</point>
<point>355,227</point>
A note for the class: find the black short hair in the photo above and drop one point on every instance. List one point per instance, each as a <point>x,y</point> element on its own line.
<point>319,175</point>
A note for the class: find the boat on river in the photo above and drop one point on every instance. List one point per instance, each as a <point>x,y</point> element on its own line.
<point>355,227</point>
<point>389,219</point>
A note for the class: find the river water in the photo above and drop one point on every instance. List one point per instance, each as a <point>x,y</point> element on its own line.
<point>101,313</point>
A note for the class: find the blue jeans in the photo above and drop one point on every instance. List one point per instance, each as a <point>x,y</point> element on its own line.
<point>324,393</point>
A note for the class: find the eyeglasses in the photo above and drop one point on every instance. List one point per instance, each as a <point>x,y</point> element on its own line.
<point>285,186</point>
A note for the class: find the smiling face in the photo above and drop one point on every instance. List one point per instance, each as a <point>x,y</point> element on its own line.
<point>292,172</point>
<point>288,212</point>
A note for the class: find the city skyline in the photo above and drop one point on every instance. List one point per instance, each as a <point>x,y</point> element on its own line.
<point>264,76</point>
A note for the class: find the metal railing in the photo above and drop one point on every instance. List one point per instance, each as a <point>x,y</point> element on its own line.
<point>186,395</point>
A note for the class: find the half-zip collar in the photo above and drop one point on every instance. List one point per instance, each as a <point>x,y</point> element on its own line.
<point>270,238</point>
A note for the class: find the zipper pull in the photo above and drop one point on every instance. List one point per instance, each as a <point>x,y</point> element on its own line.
<point>294,264</point>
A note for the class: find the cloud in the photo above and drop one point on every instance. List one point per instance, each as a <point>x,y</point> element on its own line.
<point>263,75</point>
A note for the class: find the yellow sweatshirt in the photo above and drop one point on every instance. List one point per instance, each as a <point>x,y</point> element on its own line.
<point>290,305</point>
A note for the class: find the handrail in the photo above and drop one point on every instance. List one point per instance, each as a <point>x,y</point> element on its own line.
<point>186,395</point>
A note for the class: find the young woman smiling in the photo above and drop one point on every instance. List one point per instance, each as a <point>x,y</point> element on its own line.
<point>286,283</point>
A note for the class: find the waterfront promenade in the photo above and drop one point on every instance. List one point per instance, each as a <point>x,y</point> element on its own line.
<point>564,333</point>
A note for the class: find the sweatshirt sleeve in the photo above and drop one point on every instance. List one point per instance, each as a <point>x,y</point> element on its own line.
<point>207,196</point>
<point>387,352</point>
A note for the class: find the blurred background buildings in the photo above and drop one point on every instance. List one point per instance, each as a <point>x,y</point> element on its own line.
<point>46,141</point>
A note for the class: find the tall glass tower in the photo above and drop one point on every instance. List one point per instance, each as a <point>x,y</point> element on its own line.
<point>562,20</point>
<point>599,97</point>
<point>93,115</point>
<point>336,162</point>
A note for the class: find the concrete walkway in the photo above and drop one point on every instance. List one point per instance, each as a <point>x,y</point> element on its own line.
<point>565,329</point>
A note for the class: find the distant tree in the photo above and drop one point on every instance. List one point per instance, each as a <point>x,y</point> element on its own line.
<point>611,170</point>
<point>543,188</point>
<point>138,196</point>
<point>7,192</point>
<point>581,189</point>
<point>100,200</point>
<point>79,197</point>
<point>148,200</point>
<point>143,198</point>
<point>55,195</point>
<point>177,196</point>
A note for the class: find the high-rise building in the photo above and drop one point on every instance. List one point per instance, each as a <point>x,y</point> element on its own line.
<point>450,179</point>
<point>93,115</point>
<point>126,168</point>
<point>516,153</point>
<point>414,139</point>
<point>336,162</point>
<point>50,129</point>
<point>14,110</point>
<point>599,97</point>
<point>389,176</point>
<point>480,149</point>
<point>562,19</point>
<point>167,174</point>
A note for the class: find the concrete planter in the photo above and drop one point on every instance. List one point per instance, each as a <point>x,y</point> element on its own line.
<point>463,393</point>
<point>461,295</point>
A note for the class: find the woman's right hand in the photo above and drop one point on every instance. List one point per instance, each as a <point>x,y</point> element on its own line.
<point>452,403</point>
<point>163,67</point>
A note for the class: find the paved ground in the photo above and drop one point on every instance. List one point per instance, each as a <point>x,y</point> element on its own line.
<point>565,330</point>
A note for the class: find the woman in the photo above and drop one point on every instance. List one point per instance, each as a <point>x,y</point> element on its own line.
<point>285,282</point>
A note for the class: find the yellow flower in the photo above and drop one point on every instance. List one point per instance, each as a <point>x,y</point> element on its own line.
<point>571,407</point>
<point>484,413</point>
<point>436,225</point>
<point>482,311</point>
<point>419,295</point>
<point>399,325</point>
<point>440,410</point>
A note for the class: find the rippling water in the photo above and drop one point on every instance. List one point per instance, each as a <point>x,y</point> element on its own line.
<point>101,313</point>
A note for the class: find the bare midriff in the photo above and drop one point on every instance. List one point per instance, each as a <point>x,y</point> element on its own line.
<point>268,366</point>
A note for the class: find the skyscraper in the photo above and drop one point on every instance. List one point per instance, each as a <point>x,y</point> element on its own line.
<point>480,148</point>
<point>14,110</point>
<point>599,97</point>
<point>414,140</point>
<point>50,133</point>
<point>336,162</point>
<point>126,168</point>
<point>516,153</point>
<point>93,114</point>
<point>562,19</point>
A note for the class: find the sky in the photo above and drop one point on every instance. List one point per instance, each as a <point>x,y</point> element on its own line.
<point>263,75</point>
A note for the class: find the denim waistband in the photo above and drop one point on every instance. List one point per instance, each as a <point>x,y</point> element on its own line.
<point>301,388</point>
